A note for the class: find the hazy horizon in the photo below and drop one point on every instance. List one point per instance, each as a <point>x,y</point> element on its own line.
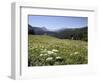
<point>53,23</point>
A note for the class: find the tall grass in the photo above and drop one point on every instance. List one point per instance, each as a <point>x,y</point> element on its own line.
<point>45,50</point>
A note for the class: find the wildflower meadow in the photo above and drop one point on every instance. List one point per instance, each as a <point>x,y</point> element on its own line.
<point>44,50</point>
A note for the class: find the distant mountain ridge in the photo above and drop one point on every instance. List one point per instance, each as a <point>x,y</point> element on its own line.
<point>36,30</point>
<point>39,30</point>
<point>65,33</point>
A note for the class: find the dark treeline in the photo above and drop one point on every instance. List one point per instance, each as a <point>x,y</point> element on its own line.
<point>75,33</point>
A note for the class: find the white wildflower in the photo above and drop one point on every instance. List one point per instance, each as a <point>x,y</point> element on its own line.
<point>45,54</point>
<point>49,58</point>
<point>58,57</point>
<point>76,53</point>
<point>54,50</point>
<point>71,54</point>
<point>41,54</point>
<point>42,46</point>
<point>50,52</point>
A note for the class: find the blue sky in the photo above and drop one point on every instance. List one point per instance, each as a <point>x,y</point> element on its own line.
<point>57,22</point>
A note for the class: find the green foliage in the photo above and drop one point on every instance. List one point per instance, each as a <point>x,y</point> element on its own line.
<point>45,50</point>
<point>76,34</point>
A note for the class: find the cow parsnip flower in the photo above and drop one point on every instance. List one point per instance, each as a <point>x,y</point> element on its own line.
<point>49,59</point>
<point>50,52</point>
<point>58,57</point>
<point>76,53</point>
<point>54,50</point>
<point>41,54</point>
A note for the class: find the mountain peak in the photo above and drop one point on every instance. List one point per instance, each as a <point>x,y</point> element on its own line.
<point>44,28</point>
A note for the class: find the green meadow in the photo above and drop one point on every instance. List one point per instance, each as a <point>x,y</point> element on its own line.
<point>44,50</point>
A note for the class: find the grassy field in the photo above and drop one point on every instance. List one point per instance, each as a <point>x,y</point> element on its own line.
<point>45,50</point>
